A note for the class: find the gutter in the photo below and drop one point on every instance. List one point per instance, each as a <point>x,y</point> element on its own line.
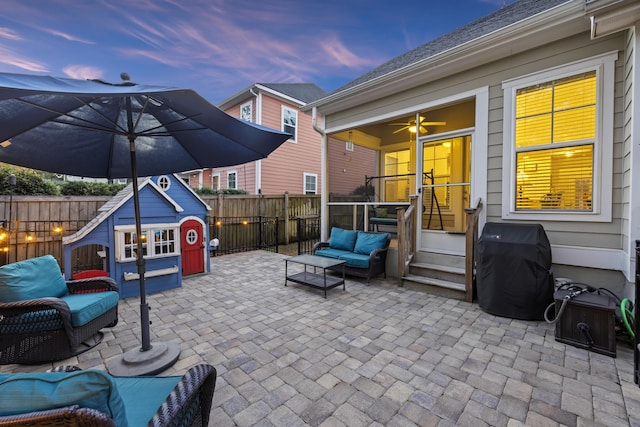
<point>324,194</point>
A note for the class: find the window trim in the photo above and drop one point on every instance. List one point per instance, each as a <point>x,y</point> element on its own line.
<point>304,182</point>
<point>121,230</point>
<point>212,176</point>
<point>233,172</point>
<point>250,104</point>
<point>604,65</point>
<point>294,138</point>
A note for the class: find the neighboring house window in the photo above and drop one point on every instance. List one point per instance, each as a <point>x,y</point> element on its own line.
<point>290,122</point>
<point>349,146</point>
<point>232,180</point>
<point>164,242</point>
<point>561,126</point>
<point>215,181</point>
<point>246,112</point>
<point>310,183</point>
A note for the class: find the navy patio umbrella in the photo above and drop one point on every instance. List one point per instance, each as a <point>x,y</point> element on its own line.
<point>96,129</point>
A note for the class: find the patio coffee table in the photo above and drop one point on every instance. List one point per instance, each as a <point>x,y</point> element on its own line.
<point>315,279</point>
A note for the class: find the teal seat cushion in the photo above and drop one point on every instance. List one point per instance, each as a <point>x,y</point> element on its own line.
<point>331,253</point>
<point>30,279</point>
<point>342,239</point>
<point>39,391</point>
<point>143,396</point>
<point>355,260</point>
<point>367,242</point>
<point>86,307</point>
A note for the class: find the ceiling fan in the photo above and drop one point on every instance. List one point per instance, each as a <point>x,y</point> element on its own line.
<point>411,125</point>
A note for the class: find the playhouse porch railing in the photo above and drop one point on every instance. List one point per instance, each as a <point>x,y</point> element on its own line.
<point>471,237</point>
<point>407,236</point>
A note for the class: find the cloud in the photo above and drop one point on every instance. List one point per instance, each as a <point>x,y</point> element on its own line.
<point>83,72</point>
<point>8,57</point>
<point>8,33</point>
<point>66,36</point>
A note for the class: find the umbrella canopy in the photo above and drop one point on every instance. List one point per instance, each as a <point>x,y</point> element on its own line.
<point>102,130</point>
<point>83,128</point>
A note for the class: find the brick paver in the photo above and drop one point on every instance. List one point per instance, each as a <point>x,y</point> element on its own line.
<point>375,354</point>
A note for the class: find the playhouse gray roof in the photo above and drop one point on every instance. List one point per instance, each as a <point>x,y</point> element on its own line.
<point>305,92</point>
<point>507,15</point>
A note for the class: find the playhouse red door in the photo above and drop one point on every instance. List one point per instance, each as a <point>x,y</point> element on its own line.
<point>192,243</point>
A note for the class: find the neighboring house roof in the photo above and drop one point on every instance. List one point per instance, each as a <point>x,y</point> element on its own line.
<point>305,92</point>
<point>501,18</point>
<point>299,93</point>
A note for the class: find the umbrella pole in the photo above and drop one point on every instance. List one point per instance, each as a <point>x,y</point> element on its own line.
<point>148,359</point>
<point>140,262</point>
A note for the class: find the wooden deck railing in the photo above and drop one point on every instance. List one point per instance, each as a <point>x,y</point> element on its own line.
<point>471,235</point>
<point>406,236</point>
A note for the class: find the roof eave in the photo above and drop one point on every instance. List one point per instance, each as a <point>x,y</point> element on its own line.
<point>561,21</point>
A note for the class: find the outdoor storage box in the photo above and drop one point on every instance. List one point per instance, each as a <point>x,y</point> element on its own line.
<point>513,270</point>
<point>588,321</point>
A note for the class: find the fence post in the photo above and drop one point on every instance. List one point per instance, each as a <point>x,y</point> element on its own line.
<point>286,217</point>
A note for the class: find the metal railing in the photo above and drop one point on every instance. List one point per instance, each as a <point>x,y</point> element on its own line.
<point>308,233</point>
<point>243,234</point>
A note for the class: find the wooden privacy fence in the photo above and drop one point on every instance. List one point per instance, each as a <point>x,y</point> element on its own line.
<point>36,224</point>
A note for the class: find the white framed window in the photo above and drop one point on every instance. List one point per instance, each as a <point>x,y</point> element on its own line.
<point>163,182</point>
<point>215,181</point>
<point>310,183</point>
<point>290,122</point>
<point>246,111</point>
<point>232,180</point>
<point>558,143</point>
<point>348,146</point>
<point>158,240</point>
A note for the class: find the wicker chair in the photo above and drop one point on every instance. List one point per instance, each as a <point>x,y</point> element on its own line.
<point>188,404</point>
<point>41,330</point>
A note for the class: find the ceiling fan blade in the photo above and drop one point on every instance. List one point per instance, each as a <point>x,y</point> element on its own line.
<point>433,123</point>
<point>401,129</point>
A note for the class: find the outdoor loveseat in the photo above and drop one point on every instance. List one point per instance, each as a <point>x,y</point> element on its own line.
<point>365,253</point>
<point>44,318</point>
<point>72,397</point>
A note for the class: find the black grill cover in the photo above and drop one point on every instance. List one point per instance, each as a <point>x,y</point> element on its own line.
<point>513,270</point>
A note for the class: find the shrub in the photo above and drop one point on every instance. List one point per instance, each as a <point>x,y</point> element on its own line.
<point>28,182</point>
<point>83,188</point>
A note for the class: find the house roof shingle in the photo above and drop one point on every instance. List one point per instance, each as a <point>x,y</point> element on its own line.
<point>507,15</point>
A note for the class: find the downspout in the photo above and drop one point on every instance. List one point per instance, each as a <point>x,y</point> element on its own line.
<point>324,194</point>
<point>259,122</point>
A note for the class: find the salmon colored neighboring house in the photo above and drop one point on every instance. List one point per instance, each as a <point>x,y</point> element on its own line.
<point>295,167</point>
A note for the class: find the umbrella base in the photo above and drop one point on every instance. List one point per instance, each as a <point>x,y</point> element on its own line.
<point>136,362</point>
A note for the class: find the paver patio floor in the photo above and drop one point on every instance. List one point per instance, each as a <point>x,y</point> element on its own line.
<point>374,354</point>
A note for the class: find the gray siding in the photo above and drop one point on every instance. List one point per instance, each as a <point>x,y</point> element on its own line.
<point>579,47</point>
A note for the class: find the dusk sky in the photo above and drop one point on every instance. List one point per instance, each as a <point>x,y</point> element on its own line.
<point>219,47</point>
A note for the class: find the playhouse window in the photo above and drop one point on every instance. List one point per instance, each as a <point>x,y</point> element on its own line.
<point>164,243</point>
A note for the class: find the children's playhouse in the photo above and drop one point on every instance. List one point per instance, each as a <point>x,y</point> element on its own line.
<point>175,235</point>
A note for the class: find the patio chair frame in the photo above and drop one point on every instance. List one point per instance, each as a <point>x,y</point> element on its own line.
<point>39,330</point>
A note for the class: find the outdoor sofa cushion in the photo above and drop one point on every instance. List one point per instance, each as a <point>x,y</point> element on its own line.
<point>142,396</point>
<point>32,278</point>
<point>367,242</point>
<point>39,391</point>
<point>343,239</point>
<point>86,307</point>
<point>358,256</point>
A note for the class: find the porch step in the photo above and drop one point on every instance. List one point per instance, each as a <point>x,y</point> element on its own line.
<point>438,272</point>
<point>434,286</point>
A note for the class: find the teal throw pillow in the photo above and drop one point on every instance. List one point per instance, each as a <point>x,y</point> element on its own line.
<point>40,391</point>
<point>342,239</point>
<point>32,278</point>
<point>367,242</point>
